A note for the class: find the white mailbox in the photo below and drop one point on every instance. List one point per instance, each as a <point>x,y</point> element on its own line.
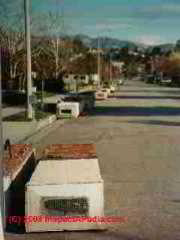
<point>65,188</point>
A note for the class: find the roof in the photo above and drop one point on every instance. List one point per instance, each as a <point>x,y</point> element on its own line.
<point>20,154</point>
<point>54,172</point>
<point>70,151</point>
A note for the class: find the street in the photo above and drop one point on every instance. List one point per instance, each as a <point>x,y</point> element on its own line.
<point>137,137</point>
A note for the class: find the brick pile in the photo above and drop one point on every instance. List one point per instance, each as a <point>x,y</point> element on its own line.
<point>20,152</point>
<point>70,151</point>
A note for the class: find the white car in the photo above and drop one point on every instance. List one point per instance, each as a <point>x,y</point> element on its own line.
<point>165,81</point>
<point>106,90</point>
<point>112,88</point>
<point>120,82</point>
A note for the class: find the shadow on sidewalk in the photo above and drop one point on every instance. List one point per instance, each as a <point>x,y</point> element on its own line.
<point>136,111</point>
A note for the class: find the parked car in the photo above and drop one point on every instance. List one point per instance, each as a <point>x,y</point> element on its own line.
<point>120,81</point>
<point>165,81</point>
<point>150,78</point>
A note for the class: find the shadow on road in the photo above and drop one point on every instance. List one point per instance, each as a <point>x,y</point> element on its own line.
<point>136,111</point>
<point>148,97</point>
<point>98,235</point>
<point>151,91</point>
<point>157,122</point>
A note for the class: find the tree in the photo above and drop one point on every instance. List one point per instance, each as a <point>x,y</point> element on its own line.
<point>12,35</point>
<point>170,66</point>
<point>156,51</point>
<point>51,26</point>
<point>79,47</point>
<point>124,54</point>
<point>86,64</point>
<point>132,69</point>
<point>177,47</point>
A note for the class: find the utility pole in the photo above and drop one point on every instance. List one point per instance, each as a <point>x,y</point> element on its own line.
<point>57,42</point>
<point>99,63</point>
<point>2,213</point>
<point>57,57</point>
<point>110,70</point>
<point>28,61</point>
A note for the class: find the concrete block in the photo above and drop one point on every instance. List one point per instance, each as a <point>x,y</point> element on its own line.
<point>71,109</point>
<point>99,95</point>
<point>65,188</point>
<point>106,90</point>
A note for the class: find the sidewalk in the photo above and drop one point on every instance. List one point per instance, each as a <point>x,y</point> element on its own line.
<point>19,131</point>
<point>9,111</point>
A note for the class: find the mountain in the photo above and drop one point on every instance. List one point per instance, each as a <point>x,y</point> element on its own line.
<point>84,38</point>
<point>107,42</point>
<point>164,48</point>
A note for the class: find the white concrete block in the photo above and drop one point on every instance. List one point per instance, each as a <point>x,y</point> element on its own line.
<point>71,108</point>
<point>99,95</point>
<point>106,90</point>
<point>113,89</point>
<point>75,183</point>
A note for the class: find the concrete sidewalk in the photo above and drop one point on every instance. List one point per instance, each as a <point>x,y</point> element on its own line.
<point>19,131</point>
<point>9,111</point>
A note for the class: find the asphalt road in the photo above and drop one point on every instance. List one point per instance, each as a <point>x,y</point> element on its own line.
<point>137,137</point>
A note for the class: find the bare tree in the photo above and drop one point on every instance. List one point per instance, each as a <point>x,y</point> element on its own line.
<point>51,27</point>
<point>11,33</point>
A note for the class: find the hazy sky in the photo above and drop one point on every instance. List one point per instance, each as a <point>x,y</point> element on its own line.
<point>147,21</point>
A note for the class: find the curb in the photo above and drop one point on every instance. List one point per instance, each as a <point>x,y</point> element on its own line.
<point>45,122</point>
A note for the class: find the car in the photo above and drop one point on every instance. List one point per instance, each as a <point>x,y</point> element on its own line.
<point>120,82</point>
<point>165,81</point>
<point>112,89</point>
<point>150,78</point>
<point>106,90</point>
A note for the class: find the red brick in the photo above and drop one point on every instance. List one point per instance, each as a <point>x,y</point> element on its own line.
<point>20,153</point>
<point>72,151</point>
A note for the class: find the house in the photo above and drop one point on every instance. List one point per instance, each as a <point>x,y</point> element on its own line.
<point>118,65</point>
<point>81,78</point>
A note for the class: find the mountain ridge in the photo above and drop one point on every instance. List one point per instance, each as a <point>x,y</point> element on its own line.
<point>108,42</point>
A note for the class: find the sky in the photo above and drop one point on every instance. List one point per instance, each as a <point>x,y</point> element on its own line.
<point>146,21</point>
